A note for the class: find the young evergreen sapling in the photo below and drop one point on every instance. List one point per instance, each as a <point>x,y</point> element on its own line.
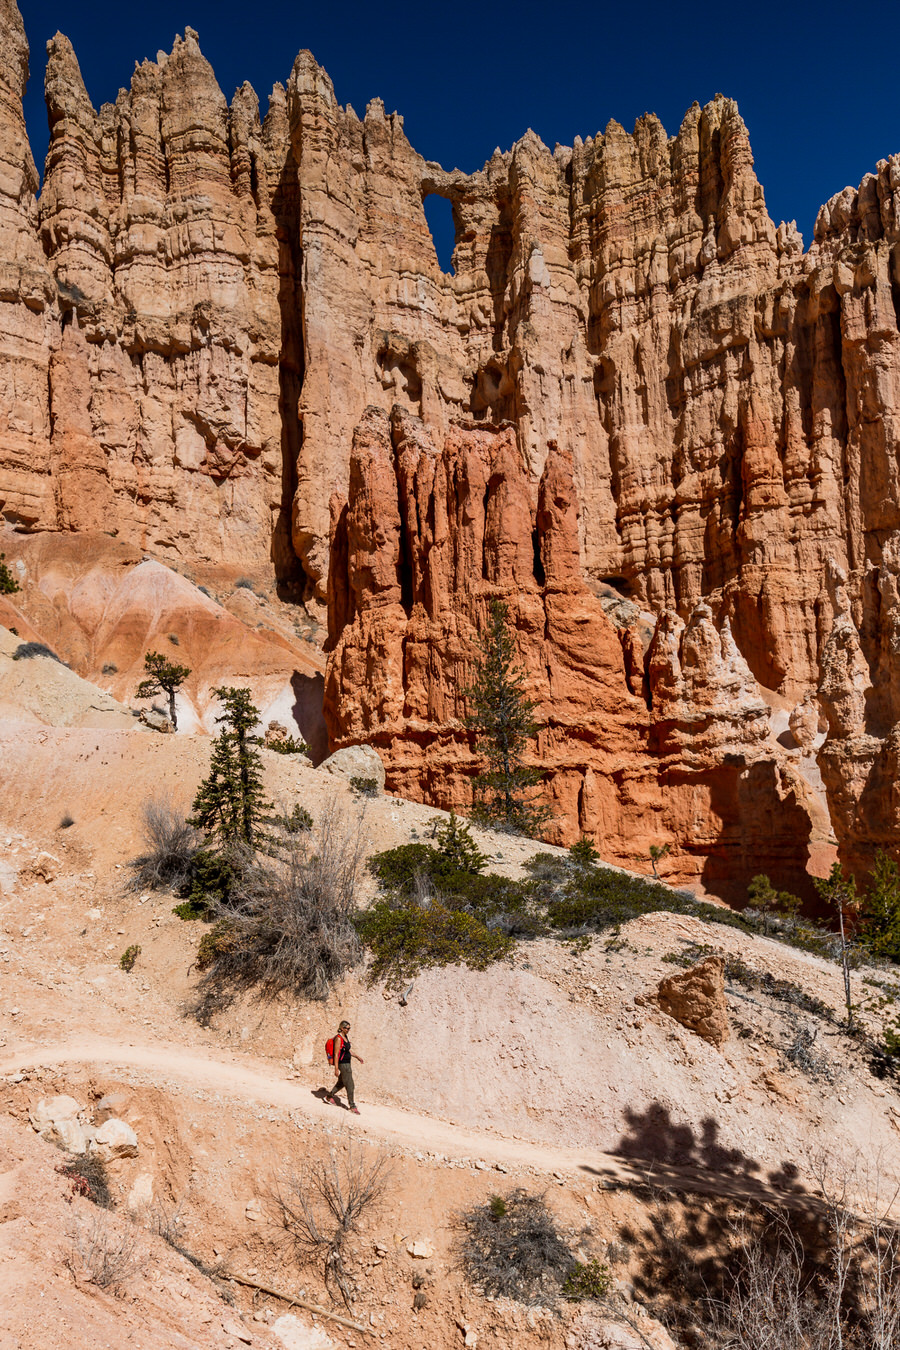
<point>502,716</point>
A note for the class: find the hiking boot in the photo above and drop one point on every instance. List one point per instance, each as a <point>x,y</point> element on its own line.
<point>354,1109</point>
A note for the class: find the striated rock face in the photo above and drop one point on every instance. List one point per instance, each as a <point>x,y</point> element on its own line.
<point>423,544</point>
<point>157,406</point>
<point>860,758</point>
<point>429,539</point>
<point>197,315</point>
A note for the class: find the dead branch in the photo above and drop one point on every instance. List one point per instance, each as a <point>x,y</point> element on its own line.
<point>298,1302</point>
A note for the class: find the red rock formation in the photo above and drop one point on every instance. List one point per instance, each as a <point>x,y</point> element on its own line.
<point>199,310</point>
<point>424,543</point>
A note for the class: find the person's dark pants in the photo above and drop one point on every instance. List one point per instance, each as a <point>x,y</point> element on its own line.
<point>345,1081</point>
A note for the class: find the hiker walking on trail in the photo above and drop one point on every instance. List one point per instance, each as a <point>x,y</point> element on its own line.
<point>342,1058</point>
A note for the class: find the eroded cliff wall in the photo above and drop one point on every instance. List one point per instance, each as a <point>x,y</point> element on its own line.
<point>204,312</point>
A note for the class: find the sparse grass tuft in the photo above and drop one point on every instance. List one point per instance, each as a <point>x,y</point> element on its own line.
<point>171,849</point>
<point>129,957</point>
<point>364,786</point>
<point>103,1252</point>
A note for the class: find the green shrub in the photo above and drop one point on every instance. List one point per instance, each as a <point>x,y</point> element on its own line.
<point>129,957</point>
<point>405,938</point>
<point>189,911</point>
<point>8,583</point>
<point>764,897</point>
<point>600,899</point>
<point>397,868</point>
<point>583,853</point>
<point>222,940</point>
<point>588,1279</point>
<point>213,876</point>
<point>298,821</point>
<point>291,745</point>
<point>881,909</point>
<point>365,787</point>
<point>511,906</point>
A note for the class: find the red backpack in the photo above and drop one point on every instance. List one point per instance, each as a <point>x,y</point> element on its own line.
<point>329,1049</point>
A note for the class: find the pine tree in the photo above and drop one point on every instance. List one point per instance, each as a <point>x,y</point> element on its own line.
<point>230,805</point>
<point>164,678</point>
<point>881,911</point>
<point>502,717</point>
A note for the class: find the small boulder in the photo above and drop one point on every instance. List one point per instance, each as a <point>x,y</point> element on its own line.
<point>56,1120</point>
<point>356,761</point>
<point>114,1139</point>
<point>155,720</point>
<point>140,1197</point>
<point>44,867</point>
<point>696,999</point>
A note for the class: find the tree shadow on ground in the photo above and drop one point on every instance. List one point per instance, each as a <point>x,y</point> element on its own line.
<point>679,1156</point>
<point>701,1202</point>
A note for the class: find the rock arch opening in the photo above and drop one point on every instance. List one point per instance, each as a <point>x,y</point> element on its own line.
<point>439,215</point>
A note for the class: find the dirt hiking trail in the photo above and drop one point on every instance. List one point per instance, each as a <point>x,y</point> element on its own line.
<point>172,1069</point>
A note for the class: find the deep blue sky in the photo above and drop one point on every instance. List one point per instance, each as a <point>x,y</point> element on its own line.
<point>817,85</point>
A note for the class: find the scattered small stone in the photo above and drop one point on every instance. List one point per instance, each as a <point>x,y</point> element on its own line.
<point>422,1249</point>
<point>233,1328</point>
